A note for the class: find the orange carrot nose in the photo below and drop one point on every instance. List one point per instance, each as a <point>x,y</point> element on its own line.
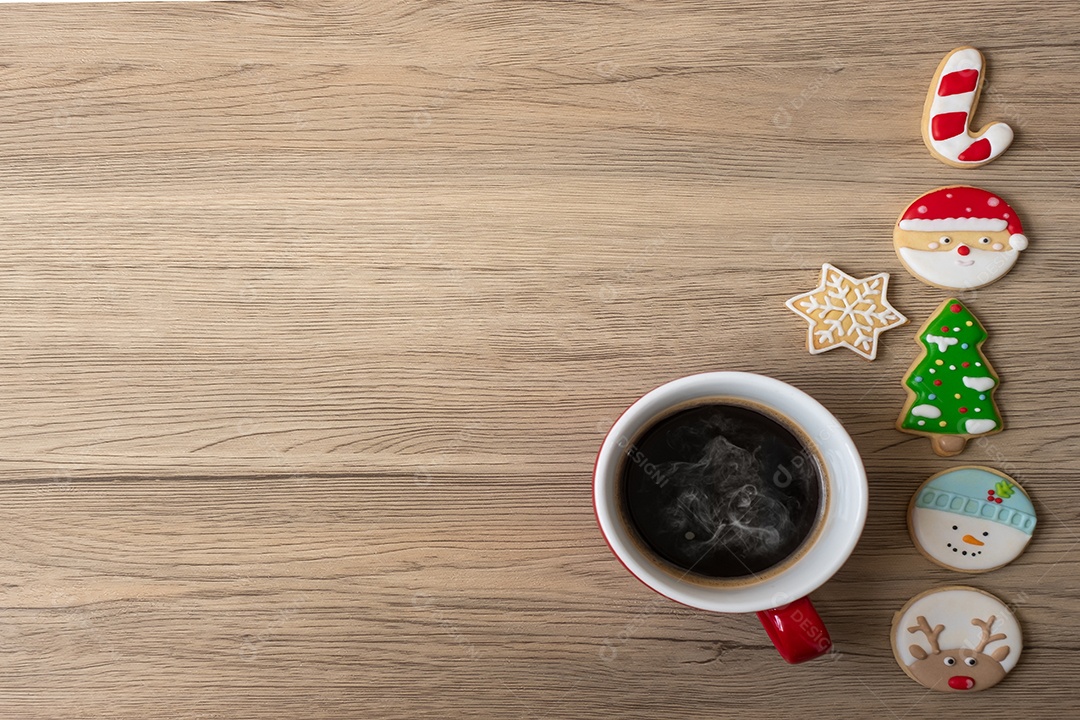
<point>970,540</point>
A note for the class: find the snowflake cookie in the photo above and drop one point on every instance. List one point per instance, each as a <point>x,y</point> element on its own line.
<point>845,312</point>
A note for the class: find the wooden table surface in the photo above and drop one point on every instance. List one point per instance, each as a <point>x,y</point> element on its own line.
<point>314,314</point>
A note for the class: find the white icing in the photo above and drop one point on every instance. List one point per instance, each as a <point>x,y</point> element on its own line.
<point>962,59</point>
<point>982,384</point>
<point>846,312</point>
<point>1018,241</point>
<point>947,269</point>
<point>927,411</point>
<point>954,224</point>
<point>978,427</point>
<point>957,102</point>
<point>942,342</point>
<point>933,531</point>
<point>998,134</point>
<point>955,609</point>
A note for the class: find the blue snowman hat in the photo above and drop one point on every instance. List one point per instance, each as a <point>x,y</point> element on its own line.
<point>981,494</point>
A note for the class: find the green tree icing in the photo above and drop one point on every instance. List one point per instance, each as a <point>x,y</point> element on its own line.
<point>953,384</point>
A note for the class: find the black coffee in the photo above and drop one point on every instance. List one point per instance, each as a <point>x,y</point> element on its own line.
<point>721,490</point>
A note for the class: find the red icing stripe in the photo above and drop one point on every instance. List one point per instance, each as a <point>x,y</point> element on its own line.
<point>978,150</point>
<point>947,125</point>
<point>961,81</point>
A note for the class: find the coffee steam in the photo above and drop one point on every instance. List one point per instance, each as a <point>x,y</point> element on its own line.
<point>722,490</point>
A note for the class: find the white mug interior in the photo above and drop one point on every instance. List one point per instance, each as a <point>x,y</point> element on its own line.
<point>832,542</point>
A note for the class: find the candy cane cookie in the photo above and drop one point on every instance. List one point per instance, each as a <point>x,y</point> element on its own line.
<point>950,104</point>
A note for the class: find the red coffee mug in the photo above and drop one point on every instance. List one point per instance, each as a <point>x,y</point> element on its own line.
<point>796,630</point>
<point>779,598</point>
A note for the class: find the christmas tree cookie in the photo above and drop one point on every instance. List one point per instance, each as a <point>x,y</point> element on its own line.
<point>951,385</point>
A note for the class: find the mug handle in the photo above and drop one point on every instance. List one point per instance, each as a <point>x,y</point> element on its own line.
<point>796,630</point>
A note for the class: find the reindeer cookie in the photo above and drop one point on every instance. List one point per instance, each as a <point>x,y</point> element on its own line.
<point>956,639</point>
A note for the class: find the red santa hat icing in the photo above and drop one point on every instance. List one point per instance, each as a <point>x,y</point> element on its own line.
<point>963,208</point>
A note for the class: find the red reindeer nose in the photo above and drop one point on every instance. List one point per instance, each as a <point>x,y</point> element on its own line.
<point>963,250</point>
<point>961,682</point>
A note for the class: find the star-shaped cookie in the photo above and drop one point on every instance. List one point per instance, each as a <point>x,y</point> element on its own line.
<point>845,312</point>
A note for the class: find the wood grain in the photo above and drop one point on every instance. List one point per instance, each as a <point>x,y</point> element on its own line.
<point>313,316</point>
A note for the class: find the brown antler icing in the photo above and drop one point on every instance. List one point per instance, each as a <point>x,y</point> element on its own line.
<point>931,633</point>
<point>986,638</point>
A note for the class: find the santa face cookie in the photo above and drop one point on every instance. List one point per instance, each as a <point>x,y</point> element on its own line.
<point>971,519</point>
<point>956,639</point>
<point>959,238</point>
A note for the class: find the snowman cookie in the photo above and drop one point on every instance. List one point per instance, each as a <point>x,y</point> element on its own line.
<point>972,519</point>
<point>956,639</point>
<point>959,238</point>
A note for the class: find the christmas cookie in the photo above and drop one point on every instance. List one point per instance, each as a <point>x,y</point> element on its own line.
<point>951,385</point>
<point>958,238</point>
<point>845,312</point>
<point>948,110</point>
<point>956,639</point>
<point>971,519</point>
